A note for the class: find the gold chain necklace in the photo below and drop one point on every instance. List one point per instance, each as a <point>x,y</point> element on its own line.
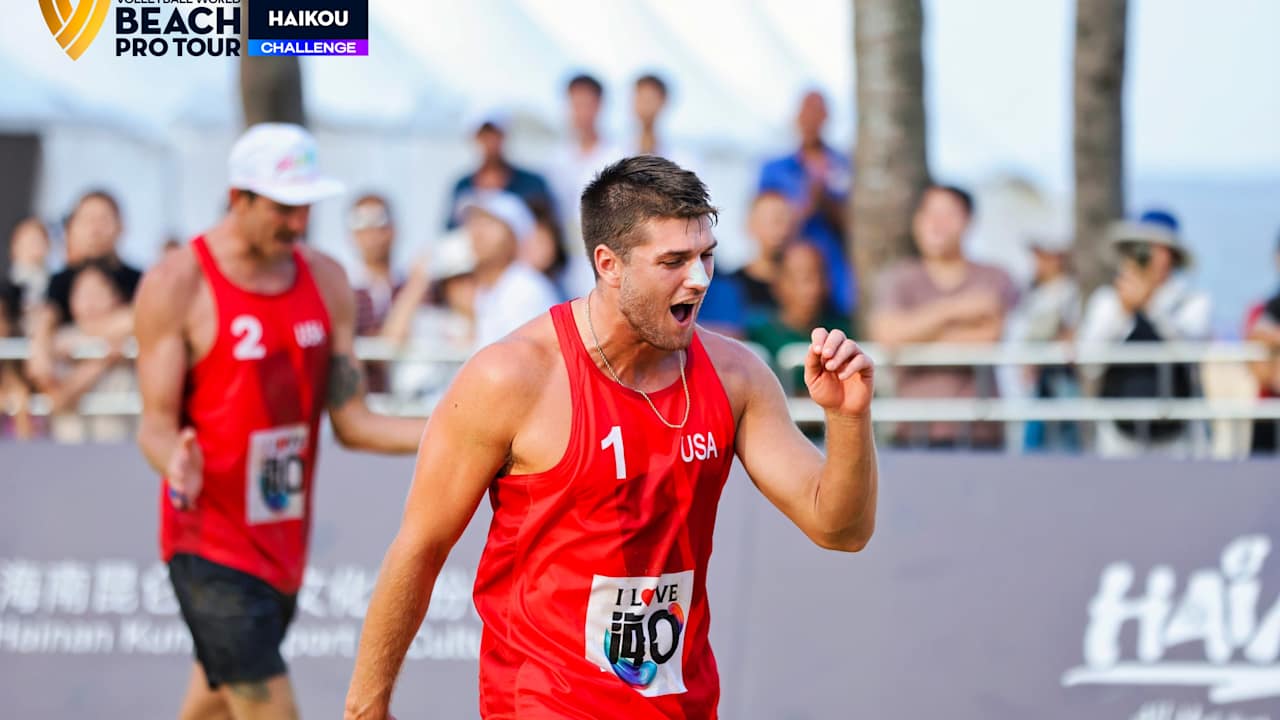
<point>684,382</point>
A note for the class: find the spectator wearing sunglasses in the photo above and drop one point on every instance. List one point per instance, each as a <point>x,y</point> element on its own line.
<point>375,282</point>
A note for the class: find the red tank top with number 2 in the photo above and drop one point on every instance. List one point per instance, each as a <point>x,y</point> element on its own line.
<point>255,401</point>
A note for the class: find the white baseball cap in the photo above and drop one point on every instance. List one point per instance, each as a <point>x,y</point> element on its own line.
<point>507,207</point>
<point>1057,243</point>
<point>278,161</point>
<point>452,256</point>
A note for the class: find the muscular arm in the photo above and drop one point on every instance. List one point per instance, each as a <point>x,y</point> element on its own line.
<point>987,329</point>
<point>39,365</point>
<point>159,326</point>
<point>465,445</point>
<point>1266,372</point>
<point>65,393</point>
<point>901,327</point>
<point>399,322</point>
<point>354,424</point>
<point>976,316</point>
<point>832,499</point>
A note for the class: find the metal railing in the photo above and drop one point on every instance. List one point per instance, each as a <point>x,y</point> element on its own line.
<point>886,409</point>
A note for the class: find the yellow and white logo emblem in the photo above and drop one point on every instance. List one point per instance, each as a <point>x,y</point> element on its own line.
<point>74,27</point>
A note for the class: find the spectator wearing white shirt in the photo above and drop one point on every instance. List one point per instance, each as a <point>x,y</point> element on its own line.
<point>573,166</point>
<point>1049,311</point>
<point>509,292</point>
<point>1149,301</point>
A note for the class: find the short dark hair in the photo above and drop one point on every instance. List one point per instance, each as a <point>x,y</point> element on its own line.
<point>960,194</point>
<point>104,266</point>
<point>544,215</point>
<point>97,194</point>
<point>654,80</point>
<point>634,190</point>
<point>585,82</point>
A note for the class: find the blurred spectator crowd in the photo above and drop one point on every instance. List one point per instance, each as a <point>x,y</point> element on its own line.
<point>511,248</point>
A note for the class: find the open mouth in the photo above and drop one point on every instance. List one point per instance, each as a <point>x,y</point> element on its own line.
<point>682,312</point>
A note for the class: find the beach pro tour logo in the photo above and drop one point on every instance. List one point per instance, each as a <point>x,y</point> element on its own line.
<point>74,26</point>
<point>308,27</point>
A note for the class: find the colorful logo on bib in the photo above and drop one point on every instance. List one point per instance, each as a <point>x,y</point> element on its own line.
<point>636,629</point>
<point>275,474</point>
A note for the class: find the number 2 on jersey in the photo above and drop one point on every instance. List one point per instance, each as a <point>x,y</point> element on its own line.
<point>249,329</point>
<point>614,440</point>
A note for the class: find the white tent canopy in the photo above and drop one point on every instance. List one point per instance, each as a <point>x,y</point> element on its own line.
<point>998,77</point>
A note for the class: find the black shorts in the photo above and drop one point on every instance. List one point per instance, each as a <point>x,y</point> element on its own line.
<point>237,621</point>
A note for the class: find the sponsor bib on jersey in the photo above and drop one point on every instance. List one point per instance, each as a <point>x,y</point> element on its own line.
<point>274,475</point>
<point>635,629</point>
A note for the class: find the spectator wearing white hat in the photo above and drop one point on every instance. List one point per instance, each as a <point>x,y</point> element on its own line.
<point>509,292</point>
<point>1150,300</point>
<point>496,172</point>
<point>436,309</point>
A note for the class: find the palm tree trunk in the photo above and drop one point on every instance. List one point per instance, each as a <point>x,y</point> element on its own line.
<point>1099,132</point>
<point>890,164</point>
<point>270,87</point>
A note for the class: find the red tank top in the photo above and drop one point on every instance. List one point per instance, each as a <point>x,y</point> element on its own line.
<point>592,582</point>
<point>255,402</point>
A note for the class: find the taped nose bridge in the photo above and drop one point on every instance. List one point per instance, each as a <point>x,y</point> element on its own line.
<point>698,275</point>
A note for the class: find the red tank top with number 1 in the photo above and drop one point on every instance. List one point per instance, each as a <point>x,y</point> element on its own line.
<point>255,402</point>
<point>592,586</point>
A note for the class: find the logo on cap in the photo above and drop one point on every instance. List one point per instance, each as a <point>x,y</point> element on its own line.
<point>74,27</point>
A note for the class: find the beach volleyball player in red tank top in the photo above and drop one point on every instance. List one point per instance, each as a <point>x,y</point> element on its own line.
<point>245,338</point>
<point>603,433</point>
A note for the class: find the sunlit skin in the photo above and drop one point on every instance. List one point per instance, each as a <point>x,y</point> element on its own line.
<point>771,223</point>
<point>92,230</point>
<point>29,244</point>
<point>659,287</point>
<point>939,225</point>
<point>374,243</point>
<point>94,298</point>
<point>539,251</point>
<point>640,318</point>
<point>584,108</point>
<point>1048,265</point>
<point>811,118</point>
<point>493,173</point>
<point>801,286</point>
<point>1135,284</point>
<point>647,103</point>
<point>491,240</point>
<point>268,229</point>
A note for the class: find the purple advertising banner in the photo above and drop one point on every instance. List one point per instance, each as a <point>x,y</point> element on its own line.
<point>996,587</point>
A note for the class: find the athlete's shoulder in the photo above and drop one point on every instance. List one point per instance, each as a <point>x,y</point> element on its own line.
<point>526,354</point>
<point>739,367</point>
<point>327,271</point>
<point>730,355</point>
<point>166,287</point>
<point>508,376</point>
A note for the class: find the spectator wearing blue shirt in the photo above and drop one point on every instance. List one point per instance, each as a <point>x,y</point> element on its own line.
<point>816,180</point>
<point>496,173</point>
<point>736,299</point>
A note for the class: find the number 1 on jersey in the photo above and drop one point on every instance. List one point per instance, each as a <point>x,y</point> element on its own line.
<point>614,440</point>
